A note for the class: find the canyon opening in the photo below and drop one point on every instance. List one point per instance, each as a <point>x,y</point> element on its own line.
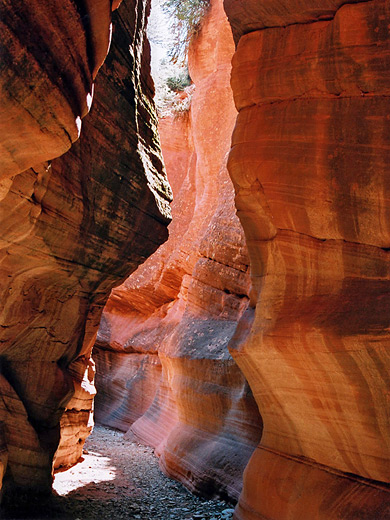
<point>208,249</point>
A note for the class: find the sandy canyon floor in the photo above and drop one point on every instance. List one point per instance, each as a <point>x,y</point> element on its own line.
<point>118,479</point>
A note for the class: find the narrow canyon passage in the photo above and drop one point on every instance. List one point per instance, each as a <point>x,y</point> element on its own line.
<point>118,479</point>
<point>163,369</point>
<point>207,247</point>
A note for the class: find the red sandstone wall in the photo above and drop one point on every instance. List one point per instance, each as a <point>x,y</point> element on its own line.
<point>177,313</point>
<point>73,227</point>
<point>50,55</point>
<point>309,162</point>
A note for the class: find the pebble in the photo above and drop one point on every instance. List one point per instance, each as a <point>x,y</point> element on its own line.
<point>137,491</point>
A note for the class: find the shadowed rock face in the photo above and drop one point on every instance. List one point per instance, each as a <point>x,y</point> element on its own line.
<point>49,56</point>
<point>163,368</point>
<point>74,227</point>
<point>309,162</point>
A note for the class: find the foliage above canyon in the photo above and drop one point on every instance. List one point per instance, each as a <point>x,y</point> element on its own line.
<point>185,22</point>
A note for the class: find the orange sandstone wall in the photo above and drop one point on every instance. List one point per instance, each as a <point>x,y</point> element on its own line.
<point>71,227</point>
<point>163,369</point>
<point>309,162</point>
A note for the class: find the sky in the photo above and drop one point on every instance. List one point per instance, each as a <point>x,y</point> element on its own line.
<point>159,36</point>
<point>161,40</point>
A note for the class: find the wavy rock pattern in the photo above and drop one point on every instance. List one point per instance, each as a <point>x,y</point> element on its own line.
<point>50,55</point>
<point>180,309</point>
<point>309,164</point>
<point>74,227</point>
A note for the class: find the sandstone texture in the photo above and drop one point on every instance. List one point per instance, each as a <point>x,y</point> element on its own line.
<point>73,227</point>
<point>50,55</point>
<point>309,163</point>
<point>246,16</point>
<point>164,373</point>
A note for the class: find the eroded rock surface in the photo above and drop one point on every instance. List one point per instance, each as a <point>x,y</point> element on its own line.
<point>246,16</point>
<point>163,368</point>
<point>50,55</point>
<point>309,164</point>
<point>74,227</point>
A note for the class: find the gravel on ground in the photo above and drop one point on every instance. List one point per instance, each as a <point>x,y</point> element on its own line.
<point>118,479</point>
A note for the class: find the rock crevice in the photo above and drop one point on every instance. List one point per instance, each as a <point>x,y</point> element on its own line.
<point>164,371</point>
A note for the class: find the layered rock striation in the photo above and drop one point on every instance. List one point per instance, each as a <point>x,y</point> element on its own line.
<point>164,373</point>
<point>309,165</point>
<point>50,55</point>
<point>72,227</point>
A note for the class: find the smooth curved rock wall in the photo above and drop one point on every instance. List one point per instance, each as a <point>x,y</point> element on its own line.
<point>73,227</point>
<point>309,163</point>
<point>50,55</point>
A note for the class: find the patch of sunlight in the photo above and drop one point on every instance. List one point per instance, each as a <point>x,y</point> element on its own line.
<point>94,468</point>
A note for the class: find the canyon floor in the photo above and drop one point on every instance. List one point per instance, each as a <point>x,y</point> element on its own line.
<point>118,479</point>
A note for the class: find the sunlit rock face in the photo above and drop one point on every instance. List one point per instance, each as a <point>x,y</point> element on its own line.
<point>71,228</point>
<point>164,372</point>
<point>309,162</point>
<point>246,16</point>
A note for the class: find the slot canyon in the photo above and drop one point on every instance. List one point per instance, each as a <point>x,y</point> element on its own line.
<point>217,274</point>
